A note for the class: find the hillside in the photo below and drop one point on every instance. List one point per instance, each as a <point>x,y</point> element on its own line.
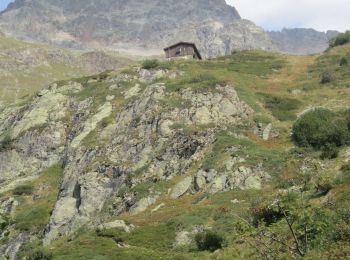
<point>26,67</point>
<point>147,27</point>
<point>144,161</point>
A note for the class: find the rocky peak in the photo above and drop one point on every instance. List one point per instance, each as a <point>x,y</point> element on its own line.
<point>133,25</point>
<point>148,26</point>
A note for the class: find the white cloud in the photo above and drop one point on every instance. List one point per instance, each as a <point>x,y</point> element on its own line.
<point>322,15</point>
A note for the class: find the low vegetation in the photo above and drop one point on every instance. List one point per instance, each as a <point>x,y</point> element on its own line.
<point>209,240</point>
<point>341,39</point>
<point>34,211</point>
<point>5,142</point>
<point>327,77</point>
<point>321,129</point>
<point>150,64</point>
<point>23,190</point>
<point>301,210</point>
<point>282,108</point>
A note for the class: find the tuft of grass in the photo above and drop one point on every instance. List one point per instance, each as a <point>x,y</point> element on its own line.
<point>209,240</point>
<point>150,64</point>
<point>5,142</point>
<point>23,190</point>
<point>282,108</point>
<point>257,63</point>
<point>33,215</point>
<point>196,82</point>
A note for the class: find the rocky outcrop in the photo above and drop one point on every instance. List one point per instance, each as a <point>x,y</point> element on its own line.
<point>266,131</point>
<point>118,224</point>
<point>181,188</point>
<point>125,134</point>
<point>10,249</point>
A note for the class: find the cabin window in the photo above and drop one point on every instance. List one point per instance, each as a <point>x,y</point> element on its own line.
<point>178,51</point>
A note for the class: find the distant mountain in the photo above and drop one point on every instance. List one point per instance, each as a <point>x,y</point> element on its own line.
<point>146,27</point>
<point>301,41</point>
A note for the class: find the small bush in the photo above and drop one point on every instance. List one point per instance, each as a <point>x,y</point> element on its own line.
<point>343,62</point>
<point>327,77</point>
<point>319,128</point>
<point>341,39</point>
<point>329,151</point>
<point>323,185</point>
<point>150,64</point>
<point>6,142</point>
<point>39,255</point>
<point>208,241</point>
<point>347,119</point>
<point>345,168</point>
<point>267,214</point>
<point>344,176</point>
<point>23,190</point>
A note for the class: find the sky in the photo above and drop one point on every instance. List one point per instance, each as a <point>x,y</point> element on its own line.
<point>321,15</point>
<point>4,3</point>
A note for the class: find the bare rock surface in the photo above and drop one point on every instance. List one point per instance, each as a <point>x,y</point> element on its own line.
<point>109,146</point>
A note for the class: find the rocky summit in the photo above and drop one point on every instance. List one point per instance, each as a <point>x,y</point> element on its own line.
<point>146,27</point>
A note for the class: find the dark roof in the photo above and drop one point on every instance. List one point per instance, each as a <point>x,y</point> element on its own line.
<point>185,43</point>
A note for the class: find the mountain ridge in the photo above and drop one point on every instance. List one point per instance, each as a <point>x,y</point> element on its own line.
<point>216,27</point>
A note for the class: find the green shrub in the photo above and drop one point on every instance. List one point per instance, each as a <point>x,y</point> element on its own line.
<point>23,190</point>
<point>6,142</point>
<point>267,214</point>
<point>208,241</point>
<point>327,77</point>
<point>344,176</point>
<point>319,128</point>
<point>341,39</point>
<point>282,107</point>
<point>347,118</point>
<point>329,151</point>
<point>343,62</point>
<point>150,64</point>
<point>39,255</point>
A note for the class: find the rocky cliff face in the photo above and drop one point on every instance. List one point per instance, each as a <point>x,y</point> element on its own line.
<point>115,132</point>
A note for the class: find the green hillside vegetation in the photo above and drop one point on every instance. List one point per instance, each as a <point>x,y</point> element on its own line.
<point>294,215</point>
<point>341,39</point>
<point>25,68</point>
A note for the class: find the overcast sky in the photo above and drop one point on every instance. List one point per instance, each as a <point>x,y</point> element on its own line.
<point>275,14</point>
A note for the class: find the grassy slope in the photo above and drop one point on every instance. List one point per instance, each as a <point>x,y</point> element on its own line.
<point>278,87</point>
<point>16,84</point>
<point>257,76</point>
<point>36,200</point>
